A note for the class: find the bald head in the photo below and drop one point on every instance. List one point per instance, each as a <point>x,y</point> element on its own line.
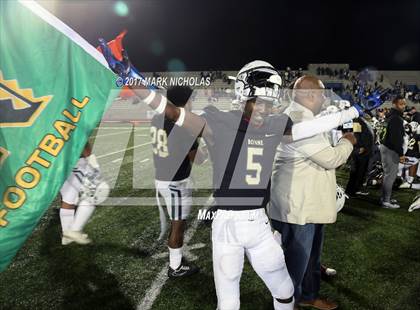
<point>308,82</point>
<point>308,91</point>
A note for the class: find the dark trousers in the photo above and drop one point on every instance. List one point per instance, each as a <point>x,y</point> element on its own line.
<point>357,173</point>
<point>302,245</point>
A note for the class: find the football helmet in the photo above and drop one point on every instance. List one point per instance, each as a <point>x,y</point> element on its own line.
<point>415,205</point>
<point>258,79</point>
<point>414,126</point>
<point>340,198</point>
<point>94,189</point>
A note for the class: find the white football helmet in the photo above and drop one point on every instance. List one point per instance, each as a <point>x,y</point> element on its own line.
<point>258,79</point>
<point>340,198</point>
<point>414,126</point>
<point>94,189</point>
<point>415,205</point>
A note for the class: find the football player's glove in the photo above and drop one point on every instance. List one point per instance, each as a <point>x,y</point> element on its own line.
<point>258,79</point>
<point>117,58</point>
<point>371,101</point>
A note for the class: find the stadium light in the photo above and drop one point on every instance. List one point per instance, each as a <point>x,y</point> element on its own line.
<point>121,8</point>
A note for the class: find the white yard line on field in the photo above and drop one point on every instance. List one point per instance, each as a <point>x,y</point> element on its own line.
<point>113,128</point>
<point>123,151</point>
<point>113,134</point>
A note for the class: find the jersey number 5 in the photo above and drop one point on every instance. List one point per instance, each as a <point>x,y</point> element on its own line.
<point>253,166</point>
<point>159,141</point>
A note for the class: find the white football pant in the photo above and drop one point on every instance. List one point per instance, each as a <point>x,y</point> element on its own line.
<point>235,233</point>
<point>177,196</point>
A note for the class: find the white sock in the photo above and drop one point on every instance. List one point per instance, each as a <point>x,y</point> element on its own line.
<point>410,179</point>
<point>83,214</point>
<point>66,218</point>
<point>400,169</point>
<point>175,257</point>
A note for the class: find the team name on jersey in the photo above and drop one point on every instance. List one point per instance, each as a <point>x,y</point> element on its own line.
<point>256,142</point>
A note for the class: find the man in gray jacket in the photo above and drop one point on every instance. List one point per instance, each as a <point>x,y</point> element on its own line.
<point>303,190</point>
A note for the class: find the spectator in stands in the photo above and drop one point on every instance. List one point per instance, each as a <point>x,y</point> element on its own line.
<point>392,150</point>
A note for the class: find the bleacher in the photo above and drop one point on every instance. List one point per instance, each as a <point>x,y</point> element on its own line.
<point>221,92</point>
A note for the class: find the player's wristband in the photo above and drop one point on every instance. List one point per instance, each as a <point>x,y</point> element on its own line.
<point>148,100</point>
<point>181,117</point>
<point>162,105</point>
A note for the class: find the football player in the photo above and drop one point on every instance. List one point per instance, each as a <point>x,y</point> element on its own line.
<point>172,171</point>
<point>242,146</point>
<point>82,190</point>
<point>412,156</point>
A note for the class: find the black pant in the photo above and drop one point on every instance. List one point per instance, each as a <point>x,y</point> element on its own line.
<point>357,173</point>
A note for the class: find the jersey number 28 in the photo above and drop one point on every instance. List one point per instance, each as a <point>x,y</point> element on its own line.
<point>159,141</point>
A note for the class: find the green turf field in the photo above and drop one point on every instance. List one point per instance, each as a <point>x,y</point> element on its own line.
<point>375,251</point>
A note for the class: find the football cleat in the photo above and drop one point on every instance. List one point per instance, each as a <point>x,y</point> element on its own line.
<point>75,236</point>
<point>66,241</point>
<point>390,205</point>
<point>405,185</point>
<point>184,270</point>
<point>362,193</point>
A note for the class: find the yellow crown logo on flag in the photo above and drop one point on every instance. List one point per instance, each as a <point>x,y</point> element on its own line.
<point>19,107</point>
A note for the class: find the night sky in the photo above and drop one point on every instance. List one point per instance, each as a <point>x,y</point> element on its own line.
<point>224,35</point>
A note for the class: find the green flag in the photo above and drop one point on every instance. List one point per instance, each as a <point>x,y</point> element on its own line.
<point>54,88</point>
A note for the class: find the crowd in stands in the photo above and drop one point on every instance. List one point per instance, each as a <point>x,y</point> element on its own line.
<point>290,75</point>
<point>410,92</point>
<point>359,83</point>
<point>340,73</point>
<point>365,80</point>
<point>216,75</point>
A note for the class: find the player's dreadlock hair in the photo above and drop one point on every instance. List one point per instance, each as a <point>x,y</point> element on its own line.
<point>179,95</point>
